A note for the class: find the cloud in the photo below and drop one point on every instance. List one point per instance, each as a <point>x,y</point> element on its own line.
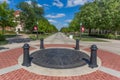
<point>52,21</point>
<point>69,20</point>
<point>71,3</point>
<point>58,3</point>
<point>46,5</point>
<point>55,16</point>
<point>39,5</point>
<point>30,2</point>
<point>1,1</point>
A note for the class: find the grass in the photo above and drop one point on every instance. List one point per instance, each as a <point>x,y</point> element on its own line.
<point>34,36</point>
<point>88,38</point>
<point>3,42</point>
<point>9,35</point>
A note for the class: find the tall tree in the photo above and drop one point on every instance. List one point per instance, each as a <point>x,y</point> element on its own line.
<point>99,14</point>
<point>6,16</point>
<point>30,14</point>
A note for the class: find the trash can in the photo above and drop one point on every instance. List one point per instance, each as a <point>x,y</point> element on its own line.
<point>71,36</point>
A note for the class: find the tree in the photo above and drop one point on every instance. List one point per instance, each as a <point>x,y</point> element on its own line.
<point>45,26</point>
<point>64,29</point>
<point>30,14</point>
<point>88,15</point>
<point>6,16</point>
<point>99,14</point>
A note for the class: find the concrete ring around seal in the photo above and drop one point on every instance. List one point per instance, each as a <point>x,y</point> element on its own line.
<point>77,71</point>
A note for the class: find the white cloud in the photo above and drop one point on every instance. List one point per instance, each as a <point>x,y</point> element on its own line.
<point>57,3</point>
<point>5,0</point>
<point>52,21</point>
<point>29,2</point>
<point>69,20</point>
<point>46,5</point>
<point>39,5</point>
<point>55,16</point>
<point>71,3</point>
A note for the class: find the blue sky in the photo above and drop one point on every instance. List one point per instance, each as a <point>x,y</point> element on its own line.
<point>58,12</point>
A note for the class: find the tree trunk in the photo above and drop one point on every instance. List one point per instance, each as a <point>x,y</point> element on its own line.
<point>89,31</point>
<point>116,33</point>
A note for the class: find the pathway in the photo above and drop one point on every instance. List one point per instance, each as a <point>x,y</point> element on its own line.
<point>108,52</point>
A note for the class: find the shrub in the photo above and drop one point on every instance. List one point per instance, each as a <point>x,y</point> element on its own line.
<point>111,36</point>
<point>2,37</point>
<point>33,37</point>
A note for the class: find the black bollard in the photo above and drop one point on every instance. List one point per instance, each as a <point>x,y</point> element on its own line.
<point>77,44</point>
<point>93,58</point>
<point>26,57</point>
<point>41,43</point>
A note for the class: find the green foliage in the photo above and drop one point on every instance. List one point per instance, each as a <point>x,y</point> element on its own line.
<point>45,26</point>
<point>2,37</point>
<point>99,14</point>
<point>3,42</point>
<point>32,15</point>
<point>111,36</point>
<point>33,37</point>
<point>6,16</point>
<point>64,29</point>
<point>108,36</point>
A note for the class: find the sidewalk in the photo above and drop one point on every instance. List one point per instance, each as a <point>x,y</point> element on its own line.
<point>10,69</point>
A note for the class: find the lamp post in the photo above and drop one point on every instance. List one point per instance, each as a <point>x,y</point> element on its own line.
<point>80,31</point>
<point>36,30</point>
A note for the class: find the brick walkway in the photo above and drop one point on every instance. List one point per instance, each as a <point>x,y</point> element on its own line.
<point>10,57</point>
<point>108,59</point>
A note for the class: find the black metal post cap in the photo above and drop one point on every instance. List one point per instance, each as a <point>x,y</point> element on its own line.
<point>93,47</point>
<point>26,45</point>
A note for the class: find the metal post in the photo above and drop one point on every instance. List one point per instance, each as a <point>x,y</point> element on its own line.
<point>37,34</point>
<point>80,31</point>
<point>41,43</point>
<point>93,58</point>
<point>77,44</point>
<point>26,57</point>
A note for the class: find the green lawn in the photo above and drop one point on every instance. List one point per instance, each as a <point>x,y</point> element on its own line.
<point>3,42</point>
<point>88,38</point>
<point>34,36</point>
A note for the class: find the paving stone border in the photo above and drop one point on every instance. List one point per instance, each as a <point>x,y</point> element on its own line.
<point>59,72</point>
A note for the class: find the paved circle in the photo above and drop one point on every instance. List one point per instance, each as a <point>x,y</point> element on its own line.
<point>59,58</point>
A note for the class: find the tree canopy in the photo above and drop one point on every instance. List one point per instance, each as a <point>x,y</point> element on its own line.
<point>99,14</point>
<point>6,16</point>
<point>32,14</point>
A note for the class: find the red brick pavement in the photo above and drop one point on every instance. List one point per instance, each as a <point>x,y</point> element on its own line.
<point>10,57</point>
<point>22,74</point>
<point>110,60</point>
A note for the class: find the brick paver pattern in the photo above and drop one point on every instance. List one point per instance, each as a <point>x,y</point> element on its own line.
<point>10,57</point>
<point>22,74</point>
<point>110,60</point>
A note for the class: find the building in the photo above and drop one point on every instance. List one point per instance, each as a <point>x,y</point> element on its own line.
<point>19,27</point>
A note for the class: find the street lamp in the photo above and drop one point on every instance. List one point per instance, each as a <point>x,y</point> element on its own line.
<point>80,30</point>
<point>36,30</point>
